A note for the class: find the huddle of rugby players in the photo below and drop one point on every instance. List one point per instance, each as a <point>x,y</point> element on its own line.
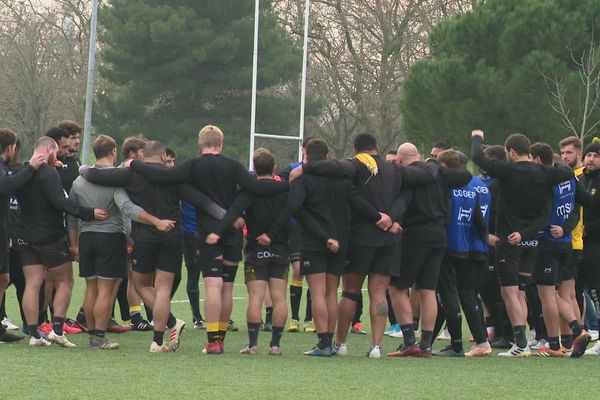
<point>516,243</point>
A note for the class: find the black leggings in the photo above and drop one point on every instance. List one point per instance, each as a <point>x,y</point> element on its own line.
<point>459,279</point>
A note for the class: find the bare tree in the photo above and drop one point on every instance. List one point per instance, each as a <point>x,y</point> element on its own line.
<point>360,53</point>
<point>43,61</point>
<point>578,104</point>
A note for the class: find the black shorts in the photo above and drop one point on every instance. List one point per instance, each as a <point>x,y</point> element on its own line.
<point>294,241</point>
<point>229,247</point>
<point>316,262</point>
<point>264,263</point>
<point>513,261</point>
<point>420,267</point>
<point>50,255</point>
<point>591,265</point>
<point>365,260</point>
<point>551,260</point>
<point>102,255</point>
<point>165,255</point>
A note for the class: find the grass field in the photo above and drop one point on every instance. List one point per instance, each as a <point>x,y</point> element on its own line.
<point>132,372</point>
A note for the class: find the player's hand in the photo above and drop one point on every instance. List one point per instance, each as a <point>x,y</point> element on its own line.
<point>264,240</point>
<point>100,214</point>
<point>333,245</point>
<point>239,223</point>
<point>514,238</point>
<point>477,133</point>
<point>385,222</point>
<point>127,163</point>
<point>395,229</point>
<point>493,240</point>
<point>58,164</point>
<point>38,159</point>
<point>296,173</point>
<point>557,231</point>
<point>165,225</point>
<point>212,238</point>
<point>75,252</point>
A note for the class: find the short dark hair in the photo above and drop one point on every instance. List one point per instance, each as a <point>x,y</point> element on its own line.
<point>316,150</point>
<point>154,148</point>
<point>7,138</point>
<point>519,143</point>
<point>103,145</point>
<point>572,140</point>
<point>170,152</point>
<point>391,153</point>
<point>72,127</point>
<point>544,152</point>
<point>495,152</point>
<point>306,140</point>
<point>442,144</point>
<point>365,142</point>
<point>57,133</point>
<point>452,158</point>
<point>264,162</point>
<point>132,143</point>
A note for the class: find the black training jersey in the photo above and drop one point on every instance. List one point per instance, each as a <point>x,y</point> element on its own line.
<point>321,206</point>
<point>68,172</point>
<point>217,176</point>
<point>9,183</point>
<point>43,203</point>
<point>260,212</point>
<point>382,190</point>
<point>525,192</point>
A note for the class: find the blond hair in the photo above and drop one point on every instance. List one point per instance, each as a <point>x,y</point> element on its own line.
<point>210,136</point>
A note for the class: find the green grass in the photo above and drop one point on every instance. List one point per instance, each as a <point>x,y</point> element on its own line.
<point>132,372</point>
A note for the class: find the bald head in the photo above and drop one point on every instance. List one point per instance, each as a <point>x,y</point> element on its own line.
<point>407,154</point>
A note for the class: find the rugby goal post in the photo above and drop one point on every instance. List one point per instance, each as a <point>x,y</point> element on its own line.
<point>253,134</point>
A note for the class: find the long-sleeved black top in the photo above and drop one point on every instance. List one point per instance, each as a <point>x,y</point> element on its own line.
<point>9,183</point>
<point>260,213</point>
<point>591,213</point>
<point>382,191</point>
<point>43,203</point>
<point>525,192</point>
<point>429,206</point>
<point>217,176</point>
<point>68,172</point>
<point>162,201</point>
<point>321,206</point>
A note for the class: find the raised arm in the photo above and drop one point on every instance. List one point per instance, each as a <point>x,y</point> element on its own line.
<point>495,168</point>
<point>165,176</point>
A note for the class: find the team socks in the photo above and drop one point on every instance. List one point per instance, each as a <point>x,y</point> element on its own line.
<point>575,327</point>
<point>416,323</point>
<point>520,338</point>
<point>408,333</point>
<point>171,321</point>
<point>99,333</point>
<point>295,297</point>
<point>323,340</point>
<point>426,337</point>
<point>554,343</point>
<point>567,341</point>
<point>158,337</point>
<point>212,332</point>
<point>276,334</point>
<point>269,315</point>
<point>135,312</point>
<point>33,331</point>
<point>57,325</point>
<point>308,306</point>
<point>253,329</point>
